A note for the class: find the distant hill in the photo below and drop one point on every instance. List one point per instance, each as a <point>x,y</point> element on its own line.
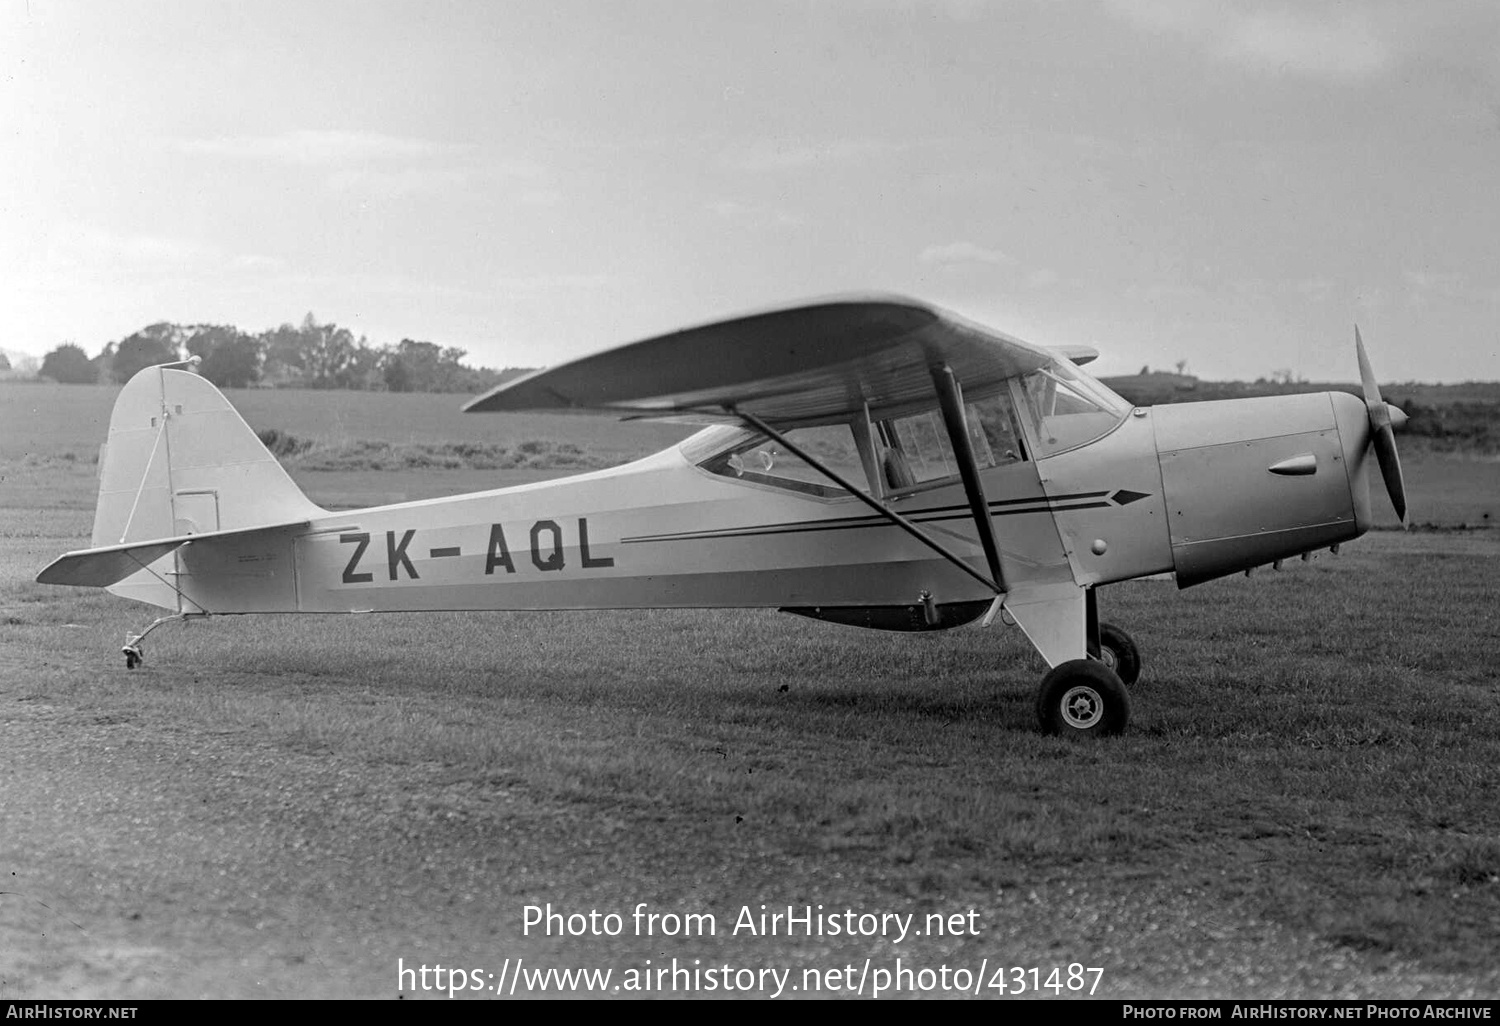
<point>1154,383</point>
<point>1156,388</point>
<point>1443,418</point>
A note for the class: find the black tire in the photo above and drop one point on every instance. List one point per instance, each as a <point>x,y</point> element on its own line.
<point>1082,698</point>
<point>1117,651</point>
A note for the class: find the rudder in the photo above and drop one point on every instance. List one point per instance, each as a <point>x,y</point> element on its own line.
<point>180,460</point>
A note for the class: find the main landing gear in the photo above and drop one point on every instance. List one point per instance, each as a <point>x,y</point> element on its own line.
<point>1082,698</point>
<point>1118,652</point>
<point>1088,697</point>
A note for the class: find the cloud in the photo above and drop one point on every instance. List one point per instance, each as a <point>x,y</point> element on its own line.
<point>1448,283</point>
<point>955,253</point>
<point>546,283</point>
<point>539,197</point>
<point>1426,286</point>
<point>752,215</point>
<point>394,183</point>
<point>794,154</point>
<point>381,166</point>
<point>1167,293</point>
<point>961,184</point>
<point>1336,42</point>
<point>1316,289</point>
<point>89,249</point>
<point>1347,46</point>
<point>1044,278</point>
<point>325,148</point>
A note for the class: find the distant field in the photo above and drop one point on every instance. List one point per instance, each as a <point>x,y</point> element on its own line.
<point>1448,491</point>
<point>49,419</point>
<point>51,422</point>
<point>1150,389</point>
<point>46,425</point>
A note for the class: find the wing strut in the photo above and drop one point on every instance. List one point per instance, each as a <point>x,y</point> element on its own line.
<point>952,405</point>
<point>890,514</point>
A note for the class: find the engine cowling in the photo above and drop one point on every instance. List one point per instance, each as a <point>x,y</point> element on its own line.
<point>1251,481</point>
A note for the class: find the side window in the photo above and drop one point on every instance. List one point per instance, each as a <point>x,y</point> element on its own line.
<point>762,460</point>
<point>915,449</point>
<point>996,419</point>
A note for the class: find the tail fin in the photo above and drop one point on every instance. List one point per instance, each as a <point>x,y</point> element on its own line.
<point>180,461</point>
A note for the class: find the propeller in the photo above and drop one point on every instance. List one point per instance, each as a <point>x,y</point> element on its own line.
<point>1384,418</point>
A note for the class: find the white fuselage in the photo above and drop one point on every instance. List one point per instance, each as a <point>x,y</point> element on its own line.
<point>662,532</point>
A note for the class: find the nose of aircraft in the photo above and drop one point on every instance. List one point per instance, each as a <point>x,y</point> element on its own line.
<point>1250,481</point>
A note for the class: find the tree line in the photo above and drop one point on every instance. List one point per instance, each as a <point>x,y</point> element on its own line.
<point>309,355</point>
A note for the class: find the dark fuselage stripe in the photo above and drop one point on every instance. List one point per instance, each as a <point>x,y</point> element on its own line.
<point>940,514</point>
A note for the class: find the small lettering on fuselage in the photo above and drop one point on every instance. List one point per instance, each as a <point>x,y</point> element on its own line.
<point>547,552</point>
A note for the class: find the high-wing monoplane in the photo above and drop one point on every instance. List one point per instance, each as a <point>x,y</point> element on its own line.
<point>875,462</point>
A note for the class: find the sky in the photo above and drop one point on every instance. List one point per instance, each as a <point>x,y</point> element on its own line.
<point>1231,184</point>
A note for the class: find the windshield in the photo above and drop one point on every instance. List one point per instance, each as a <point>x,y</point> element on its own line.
<point>1066,408</point>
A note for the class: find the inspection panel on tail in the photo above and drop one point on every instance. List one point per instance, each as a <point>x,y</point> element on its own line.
<point>876,462</point>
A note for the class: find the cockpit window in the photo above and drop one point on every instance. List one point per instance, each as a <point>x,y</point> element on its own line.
<point>908,452</point>
<point>1066,409</point>
<point>997,436</point>
<point>915,450</point>
<point>921,443</point>
<point>760,460</point>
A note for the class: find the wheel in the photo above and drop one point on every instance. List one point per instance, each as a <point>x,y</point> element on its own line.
<point>133,657</point>
<point>1082,698</point>
<point>1117,651</point>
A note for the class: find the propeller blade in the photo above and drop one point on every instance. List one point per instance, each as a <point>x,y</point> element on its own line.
<point>1373,402</point>
<point>1382,435</point>
<point>1390,468</point>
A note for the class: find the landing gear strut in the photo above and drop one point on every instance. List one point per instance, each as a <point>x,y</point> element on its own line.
<point>1087,697</point>
<point>134,656</point>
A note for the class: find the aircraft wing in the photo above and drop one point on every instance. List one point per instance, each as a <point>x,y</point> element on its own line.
<point>785,366</point>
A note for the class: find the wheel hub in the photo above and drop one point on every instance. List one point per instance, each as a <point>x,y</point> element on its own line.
<point>1082,707</point>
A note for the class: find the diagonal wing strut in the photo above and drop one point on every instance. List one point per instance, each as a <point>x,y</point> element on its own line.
<point>952,404</point>
<point>966,464</point>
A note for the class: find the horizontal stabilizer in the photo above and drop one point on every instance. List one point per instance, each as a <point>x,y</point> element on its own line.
<point>804,363</point>
<point>101,567</point>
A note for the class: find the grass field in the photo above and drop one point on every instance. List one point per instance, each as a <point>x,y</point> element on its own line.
<point>1306,804</point>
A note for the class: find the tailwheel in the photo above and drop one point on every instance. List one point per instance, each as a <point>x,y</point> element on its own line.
<point>1117,651</point>
<point>134,654</point>
<point>1082,698</point>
